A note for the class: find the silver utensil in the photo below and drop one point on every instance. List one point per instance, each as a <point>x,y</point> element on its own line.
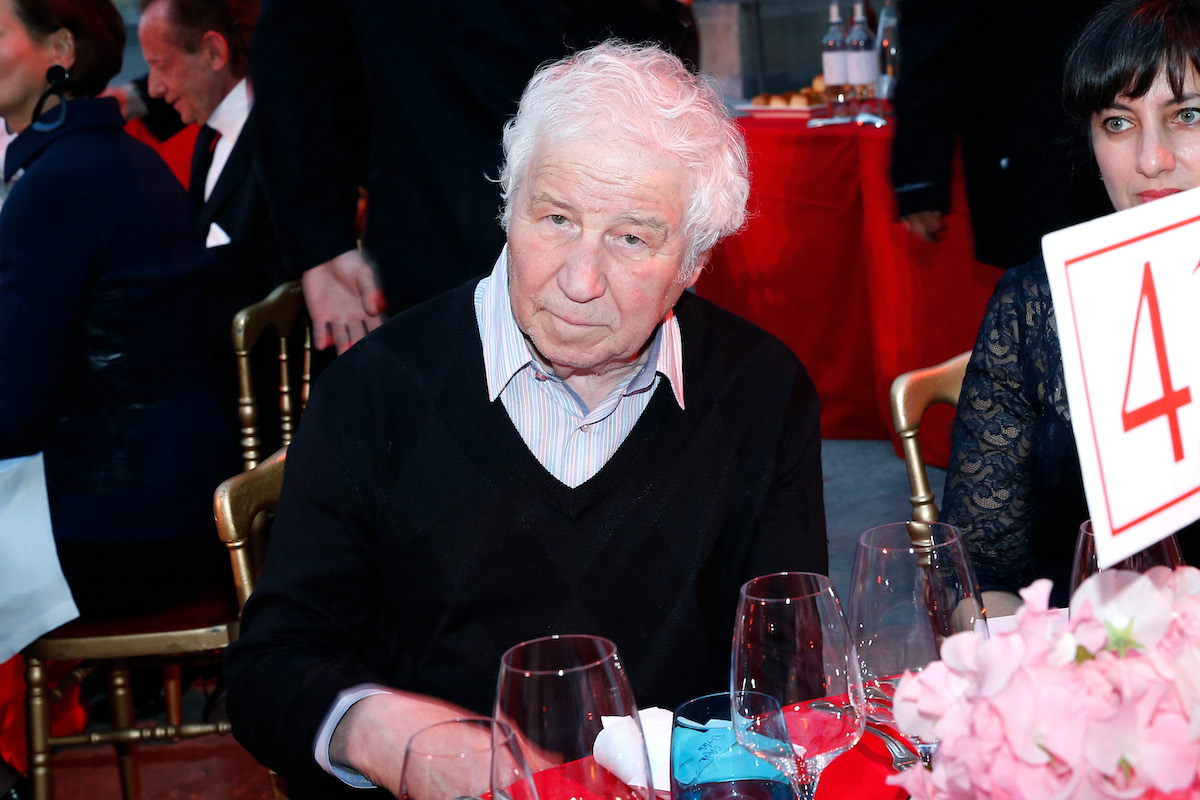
<point>902,757</point>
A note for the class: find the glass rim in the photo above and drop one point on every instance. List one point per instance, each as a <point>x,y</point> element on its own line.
<point>607,646</point>
<point>955,534</point>
<point>506,732</point>
<point>728,695</point>
<point>826,585</point>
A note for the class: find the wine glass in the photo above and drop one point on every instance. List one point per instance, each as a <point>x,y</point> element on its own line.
<point>568,700</point>
<point>792,642</point>
<point>1163,553</point>
<point>465,758</point>
<point>911,587</point>
<point>708,762</point>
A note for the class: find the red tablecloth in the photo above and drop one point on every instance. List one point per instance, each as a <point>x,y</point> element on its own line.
<point>824,265</point>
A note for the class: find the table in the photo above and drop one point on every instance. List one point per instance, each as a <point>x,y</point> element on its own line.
<point>858,774</point>
<point>824,265</point>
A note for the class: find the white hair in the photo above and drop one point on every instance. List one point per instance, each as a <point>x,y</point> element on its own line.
<point>645,93</point>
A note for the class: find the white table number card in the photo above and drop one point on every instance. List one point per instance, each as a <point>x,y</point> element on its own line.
<point>1126,291</point>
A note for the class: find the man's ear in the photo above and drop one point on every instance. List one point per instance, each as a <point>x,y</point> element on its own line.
<point>216,49</point>
<point>62,47</point>
<point>701,263</point>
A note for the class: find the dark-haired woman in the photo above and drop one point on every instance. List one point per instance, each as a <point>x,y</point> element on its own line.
<point>1132,81</point>
<point>100,360</point>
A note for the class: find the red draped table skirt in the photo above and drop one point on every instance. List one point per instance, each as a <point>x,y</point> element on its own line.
<point>824,265</point>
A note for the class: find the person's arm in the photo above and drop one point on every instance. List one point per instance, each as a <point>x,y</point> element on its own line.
<point>319,621</point>
<point>934,75</point>
<point>308,101</point>
<point>988,483</point>
<point>371,737</point>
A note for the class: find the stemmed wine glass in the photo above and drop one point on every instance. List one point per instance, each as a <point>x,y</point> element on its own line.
<point>911,587</point>
<point>792,642</point>
<point>463,759</point>
<point>568,700</point>
<point>1163,553</point>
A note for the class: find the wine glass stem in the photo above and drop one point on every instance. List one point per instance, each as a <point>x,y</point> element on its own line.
<point>804,790</point>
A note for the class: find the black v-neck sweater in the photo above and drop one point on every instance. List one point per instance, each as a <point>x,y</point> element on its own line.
<point>418,537</point>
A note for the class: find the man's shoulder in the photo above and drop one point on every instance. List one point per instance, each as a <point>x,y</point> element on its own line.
<point>714,332</point>
<point>727,355</point>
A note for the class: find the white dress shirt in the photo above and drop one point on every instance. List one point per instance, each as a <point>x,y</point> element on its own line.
<point>227,119</point>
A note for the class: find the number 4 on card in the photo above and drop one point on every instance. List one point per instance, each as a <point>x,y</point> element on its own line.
<point>1172,399</point>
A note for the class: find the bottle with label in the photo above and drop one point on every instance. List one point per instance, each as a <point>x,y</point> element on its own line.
<point>833,62</point>
<point>862,59</point>
<point>889,52</point>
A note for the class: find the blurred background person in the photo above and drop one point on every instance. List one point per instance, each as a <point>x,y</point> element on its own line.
<point>1132,85</point>
<point>102,367</point>
<point>956,90</point>
<point>407,99</point>
<point>100,360</point>
<point>199,56</point>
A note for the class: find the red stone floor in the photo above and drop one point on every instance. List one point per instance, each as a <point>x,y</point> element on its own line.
<point>209,767</point>
<point>198,769</point>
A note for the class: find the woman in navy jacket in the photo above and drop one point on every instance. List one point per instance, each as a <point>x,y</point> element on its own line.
<point>101,366</point>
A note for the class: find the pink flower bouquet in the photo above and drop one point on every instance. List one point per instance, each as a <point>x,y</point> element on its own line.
<point>1103,705</point>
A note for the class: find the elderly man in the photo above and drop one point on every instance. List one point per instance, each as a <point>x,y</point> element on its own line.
<point>571,444</point>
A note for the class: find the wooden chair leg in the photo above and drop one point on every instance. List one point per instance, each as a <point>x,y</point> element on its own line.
<point>173,694</point>
<point>278,787</point>
<point>37,729</point>
<point>120,698</point>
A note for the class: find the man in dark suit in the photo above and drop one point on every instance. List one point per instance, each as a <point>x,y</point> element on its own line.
<point>198,52</point>
<point>955,87</point>
<point>408,100</point>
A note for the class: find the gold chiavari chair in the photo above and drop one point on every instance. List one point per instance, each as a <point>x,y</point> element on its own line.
<point>239,504</point>
<point>913,393</point>
<point>283,315</point>
<point>193,632</point>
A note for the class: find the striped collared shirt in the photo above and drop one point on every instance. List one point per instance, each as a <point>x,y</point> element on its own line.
<point>571,442</point>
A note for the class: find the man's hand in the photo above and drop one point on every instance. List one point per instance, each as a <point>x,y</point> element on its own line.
<point>924,225</point>
<point>343,299</point>
<point>373,734</point>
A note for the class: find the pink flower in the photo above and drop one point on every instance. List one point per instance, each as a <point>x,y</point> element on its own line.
<point>1106,708</point>
<point>1133,609</point>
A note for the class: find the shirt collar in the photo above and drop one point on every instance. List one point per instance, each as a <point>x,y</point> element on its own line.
<point>231,113</point>
<point>506,352</point>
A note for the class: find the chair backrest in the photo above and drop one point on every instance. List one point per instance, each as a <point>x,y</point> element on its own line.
<point>238,503</point>
<point>912,395</point>
<point>281,312</point>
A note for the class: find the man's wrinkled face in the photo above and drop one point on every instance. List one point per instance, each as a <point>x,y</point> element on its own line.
<point>596,250</point>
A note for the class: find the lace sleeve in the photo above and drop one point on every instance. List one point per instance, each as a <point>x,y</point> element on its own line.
<point>1014,376</point>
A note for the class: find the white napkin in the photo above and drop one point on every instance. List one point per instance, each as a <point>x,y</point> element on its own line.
<point>616,748</point>
<point>34,597</point>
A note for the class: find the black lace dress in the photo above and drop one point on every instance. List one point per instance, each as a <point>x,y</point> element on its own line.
<point>1013,486</point>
